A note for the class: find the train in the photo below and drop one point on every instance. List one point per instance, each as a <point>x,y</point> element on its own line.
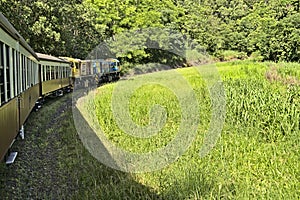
<point>27,77</point>
<point>104,70</point>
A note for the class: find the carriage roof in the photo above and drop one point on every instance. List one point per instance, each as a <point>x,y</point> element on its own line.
<point>8,27</point>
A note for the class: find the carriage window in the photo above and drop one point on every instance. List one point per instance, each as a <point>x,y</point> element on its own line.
<point>23,73</point>
<point>48,73</point>
<point>28,72</point>
<point>52,72</point>
<point>57,72</point>
<point>14,71</point>
<point>24,79</point>
<point>8,81</point>
<point>2,96</point>
<point>31,81</point>
<point>62,69</point>
<point>34,73</point>
<point>19,72</point>
<point>44,73</point>
<point>66,72</point>
<point>69,71</point>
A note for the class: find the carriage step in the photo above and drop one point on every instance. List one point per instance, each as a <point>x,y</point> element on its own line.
<point>11,158</point>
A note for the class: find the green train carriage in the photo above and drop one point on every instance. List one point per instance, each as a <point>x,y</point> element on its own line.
<point>25,78</point>
<point>19,85</point>
<point>55,74</point>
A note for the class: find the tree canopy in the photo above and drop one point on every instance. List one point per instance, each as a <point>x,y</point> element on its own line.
<point>269,29</point>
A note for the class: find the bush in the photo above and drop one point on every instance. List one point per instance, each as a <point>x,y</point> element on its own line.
<point>256,56</point>
<point>229,55</point>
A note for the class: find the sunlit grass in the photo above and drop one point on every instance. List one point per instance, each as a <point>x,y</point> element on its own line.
<point>257,155</point>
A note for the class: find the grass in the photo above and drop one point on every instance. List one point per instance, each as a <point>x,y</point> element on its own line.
<point>257,155</point>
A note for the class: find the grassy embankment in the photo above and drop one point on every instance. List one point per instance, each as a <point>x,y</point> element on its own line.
<point>257,155</point>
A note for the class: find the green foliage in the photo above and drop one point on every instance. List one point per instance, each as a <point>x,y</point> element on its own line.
<point>73,28</point>
<point>61,28</point>
<point>229,55</point>
<point>256,56</point>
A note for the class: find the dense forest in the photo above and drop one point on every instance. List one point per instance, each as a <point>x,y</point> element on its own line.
<point>260,29</point>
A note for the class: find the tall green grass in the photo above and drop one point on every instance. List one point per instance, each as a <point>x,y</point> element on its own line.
<point>257,155</point>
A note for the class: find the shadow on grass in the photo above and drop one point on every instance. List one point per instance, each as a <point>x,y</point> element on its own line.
<point>98,181</point>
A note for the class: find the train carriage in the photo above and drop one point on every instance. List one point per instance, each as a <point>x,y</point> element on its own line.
<point>19,84</point>
<point>26,77</point>
<point>54,74</point>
